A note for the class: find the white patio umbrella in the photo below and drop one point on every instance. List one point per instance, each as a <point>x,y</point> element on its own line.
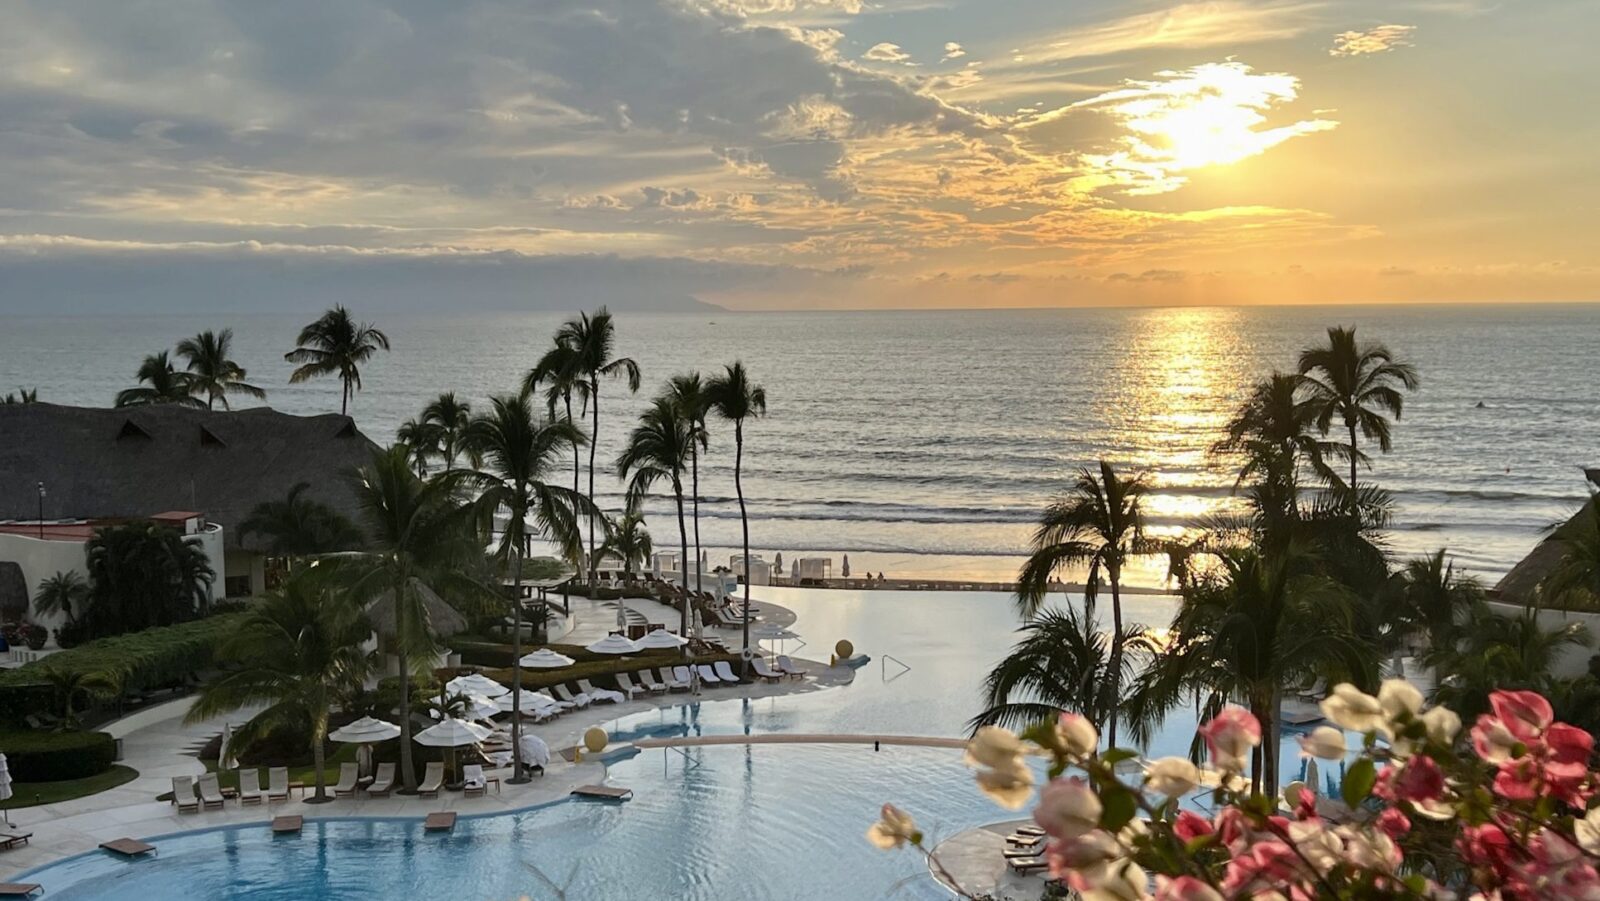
<point>476,684</point>
<point>452,733</point>
<point>544,658</point>
<point>532,702</point>
<point>613,644</point>
<point>364,732</point>
<point>5,785</point>
<point>698,624</point>
<point>662,639</point>
<point>226,755</point>
<point>771,632</point>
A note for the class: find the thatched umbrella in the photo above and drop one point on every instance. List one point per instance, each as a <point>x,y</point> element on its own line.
<point>443,619</point>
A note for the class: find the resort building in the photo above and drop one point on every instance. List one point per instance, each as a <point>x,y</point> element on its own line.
<point>65,471</point>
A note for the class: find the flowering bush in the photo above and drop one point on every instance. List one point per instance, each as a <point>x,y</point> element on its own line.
<point>1499,814</point>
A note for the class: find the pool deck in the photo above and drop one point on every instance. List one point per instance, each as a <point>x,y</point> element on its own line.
<point>973,860</point>
<point>802,738</point>
<point>158,744</point>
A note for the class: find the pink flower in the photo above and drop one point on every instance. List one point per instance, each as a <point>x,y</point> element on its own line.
<point>1393,823</point>
<point>1190,826</point>
<point>1267,865</point>
<point>1419,780</point>
<point>1230,736</point>
<point>1184,888</point>
<point>1067,808</point>
<point>1525,713</point>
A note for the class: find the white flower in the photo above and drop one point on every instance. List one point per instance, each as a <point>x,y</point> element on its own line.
<point>1353,709</point>
<point>1587,831</point>
<point>1172,776</point>
<point>1077,735</point>
<point>1010,786</point>
<point>1325,742</point>
<point>893,829</point>
<point>1493,741</point>
<point>1320,846</point>
<point>1121,880</point>
<point>1397,697</point>
<point>1443,724</point>
<point>993,746</point>
<point>1067,808</point>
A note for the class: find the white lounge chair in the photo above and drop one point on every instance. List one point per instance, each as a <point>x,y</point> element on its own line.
<point>707,674</point>
<point>787,667</point>
<point>600,694</point>
<point>473,782</point>
<point>432,779</point>
<point>210,791</point>
<point>758,665</point>
<point>561,706</point>
<point>649,683</point>
<point>250,786</point>
<point>725,672</point>
<point>383,783</point>
<point>680,680</point>
<point>349,777</point>
<point>626,682</point>
<point>579,700</point>
<point>278,783</point>
<point>183,794</point>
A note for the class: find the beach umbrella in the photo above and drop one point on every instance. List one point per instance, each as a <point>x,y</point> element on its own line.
<point>226,755</point>
<point>698,623</point>
<point>452,733</point>
<point>476,684</point>
<point>662,639</point>
<point>532,702</point>
<point>613,644</point>
<point>771,632</point>
<point>846,570</point>
<point>1311,778</point>
<point>544,658</point>
<point>5,784</point>
<point>364,732</point>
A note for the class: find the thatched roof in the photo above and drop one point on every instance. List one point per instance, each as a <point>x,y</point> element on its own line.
<point>140,461</point>
<point>545,572</point>
<point>442,617</point>
<point>13,591</point>
<point>1519,585</point>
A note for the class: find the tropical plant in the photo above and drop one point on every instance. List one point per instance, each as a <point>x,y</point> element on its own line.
<point>1062,663</point>
<point>689,393</point>
<point>1574,581</point>
<point>296,652</point>
<point>212,372</point>
<point>300,526</point>
<point>160,383</point>
<point>1098,522</point>
<point>659,448</point>
<point>735,399</point>
<point>143,574</point>
<point>338,345</point>
<point>422,441</point>
<point>629,542</point>
<point>519,451</point>
<point>1498,652</point>
<point>592,339</point>
<point>23,396</point>
<point>1430,600</point>
<point>64,592</point>
<point>1360,384</point>
<point>421,546</point>
<point>557,371</point>
<point>450,417</point>
<point>144,659</point>
<point>69,685</point>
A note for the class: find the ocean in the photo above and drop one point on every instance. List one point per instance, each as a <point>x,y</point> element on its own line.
<point>922,444</point>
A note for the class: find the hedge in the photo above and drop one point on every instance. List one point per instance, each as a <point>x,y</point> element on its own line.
<point>56,756</point>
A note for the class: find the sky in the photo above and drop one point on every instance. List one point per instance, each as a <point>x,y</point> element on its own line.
<point>796,154</point>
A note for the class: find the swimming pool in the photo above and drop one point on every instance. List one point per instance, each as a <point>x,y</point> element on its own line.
<point>752,822</point>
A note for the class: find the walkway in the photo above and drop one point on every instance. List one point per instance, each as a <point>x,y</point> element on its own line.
<point>802,738</point>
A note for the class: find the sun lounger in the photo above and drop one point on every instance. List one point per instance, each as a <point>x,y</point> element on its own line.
<point>564,694</point>
<point>724,671</point>
<point>250,786</point>
<point>19,889</point>
<point>384,783</point>
<point>600,694</point>
<point>278,783</point>
<point>1020,853</point>
<point>1017,838</point>
<point>677,678</point>
<point>603,792</point>
<point>759,666</point>
<point>210,791</point>
<point>349,777</point>
<point>649,682</point>
<point>440,821</point>
<point>707,674</point>
<point>787,667</point>
<point>9,840</point>
<point>183,794</point>
<point>432,779</point>
<point>552,703</point>
<point>1028,864</point>
<point>127,847</point>
<point>285,825</point>
<point>626,683</point>
<point>473,781</point>
<point>1030,830</point>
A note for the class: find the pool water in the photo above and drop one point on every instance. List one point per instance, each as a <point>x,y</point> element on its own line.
<point>752,822</point>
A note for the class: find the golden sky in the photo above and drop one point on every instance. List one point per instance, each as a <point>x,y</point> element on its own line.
<point>802,153</point>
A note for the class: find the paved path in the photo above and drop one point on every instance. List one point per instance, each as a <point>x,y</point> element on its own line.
<point>802,738</point>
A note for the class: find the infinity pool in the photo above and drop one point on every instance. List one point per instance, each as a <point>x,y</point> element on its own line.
<point>746,822</point>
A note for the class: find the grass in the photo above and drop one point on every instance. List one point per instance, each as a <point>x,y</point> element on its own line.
<point>30,794</point>
<point>306,774</point>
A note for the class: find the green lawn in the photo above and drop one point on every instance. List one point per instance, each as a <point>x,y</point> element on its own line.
<point>29,794</point>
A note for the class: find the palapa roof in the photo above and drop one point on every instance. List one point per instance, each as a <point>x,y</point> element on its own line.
<point>443,619</point>
<point>136,462</point>
<point>1518,585</point>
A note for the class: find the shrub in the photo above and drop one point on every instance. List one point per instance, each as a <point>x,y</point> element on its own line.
<point>55,756</point>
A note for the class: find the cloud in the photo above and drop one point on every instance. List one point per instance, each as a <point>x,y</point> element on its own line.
<point>886,52</point>
<point>1189,25</point>
<point>1149,275</point>
<point>1381,39</point>
<point>952,50</point>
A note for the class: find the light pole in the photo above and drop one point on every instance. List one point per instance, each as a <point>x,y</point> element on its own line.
<point>41,511</point>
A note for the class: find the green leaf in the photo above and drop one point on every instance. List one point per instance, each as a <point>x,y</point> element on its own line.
<point>1358,782</point>
<point>1119,808</point>
<point>1114,756</point>
<point>1199,843</point>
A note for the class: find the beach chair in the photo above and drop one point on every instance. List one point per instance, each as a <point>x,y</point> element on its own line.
<point>787,667</point>
<point>680,680</point>
<point>277,784</point>
<point>250,786</point>
<point>183,794</point>
<point>562,693</point>
<point>626,683</point>
<point>1025,865</point>
<point>560,706</point>
<point>708,676</point>
<point>758,665</point>
<point>432,779</point>
<point>649,683</point>
<point>210,791</point>
<point>349,777</point>
<point>600,694</point>
<point>473,781</point>
<point>9,840</point>
<point>383,783</point>
<point>725,672</point>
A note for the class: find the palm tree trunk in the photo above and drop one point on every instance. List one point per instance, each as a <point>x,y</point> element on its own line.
<point>694,465</point>
<point>319,732</point>
<point>1115,572</point>
<point>344,398</point>
<point>683,540</point>
<point>566,396</point>
<point>594,442</point>
<point>744,526</point>
<point>408,775</point>
<point>1353,509</point>
<point>516,659</point>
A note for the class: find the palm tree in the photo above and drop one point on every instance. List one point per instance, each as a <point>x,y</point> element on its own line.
<point>64,591</point>
<point>1274,426</point>
<point>629,542</point>
<point>68,684</point>
<point>1245,632</point>
<point>736,399</point>
<point>520,450</point>
<point>1499,653</point>
<point>1061,664</point>
<point>557,371</point>
<point>297,651</point>
<point>1099,522</point>
<point>23,396</point>
<point>299,526</point>
<point>160,383</point>
<point>1433,601</point>
<point>336,344</point>
<point>143,574</point>
<point>1360,384</point>
<point>450,417</point>
<point>689,393</point>
<point>591,339</point>
<point>212,372</point>
<point>659,448</point>
<point>422,546</point>
<point>422,441</point>
<point>1574,582</point>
